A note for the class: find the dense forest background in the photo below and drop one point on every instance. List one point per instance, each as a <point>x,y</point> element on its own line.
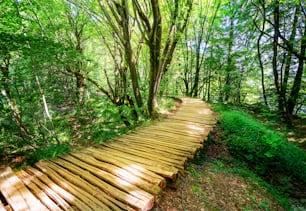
<point>80,71</point>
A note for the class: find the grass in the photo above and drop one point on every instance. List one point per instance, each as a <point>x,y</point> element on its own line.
<point>262,154</point>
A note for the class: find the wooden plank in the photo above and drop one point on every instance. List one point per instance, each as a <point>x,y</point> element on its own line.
<point>138,156</point>
<point>194,117</point>
<point>147,154</point>
<point>39,193</point>
<point>149,147</point>
<point>200,113</point>
<point>156,155</point>
<point>106,187</point>
<point>90,201</point>
<point>191,127</point>
<point>146,161</point>
<point>196,120</point>
<point>71,199</point>
<point>195,127</point>
<point>91,189</point>
<point>138,141</point>
<point>197,113</point>
<point>184,122</point>
<point>166,137</point>
<point>179,146</point>
<point>16,194</point>
<point>163,170</point>
<point>169,135</point>
<point>193,107</point>
<point>129,166</point>
<point>112,179</point>
<point>50,193</point>
<point>119,172</point>
<point>179,131</point>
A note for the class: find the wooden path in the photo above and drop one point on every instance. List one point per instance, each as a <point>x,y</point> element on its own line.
<point>125,174</point>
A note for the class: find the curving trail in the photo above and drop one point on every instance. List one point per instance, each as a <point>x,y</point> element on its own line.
<point>126,173</point>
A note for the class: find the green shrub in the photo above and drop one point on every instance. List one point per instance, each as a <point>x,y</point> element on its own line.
<point>49,152</point>
<point>264,149</point>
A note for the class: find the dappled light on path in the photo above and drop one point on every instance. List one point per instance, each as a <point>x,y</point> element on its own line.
<point>124,174</point>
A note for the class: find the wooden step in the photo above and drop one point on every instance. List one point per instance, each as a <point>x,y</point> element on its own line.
<point>85,197</point>
<point>138,157</point>
<point>121,191</point>
<point>133,168</point>
<point>61,193</point>
<point>120,173</point>
<point>85,185</point>
<point>140,163</point>
<point>39,193</point>
<point>16,193</point>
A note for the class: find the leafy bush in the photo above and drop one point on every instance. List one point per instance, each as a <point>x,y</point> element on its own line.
<point>49,152</point>
<point>264,149</point>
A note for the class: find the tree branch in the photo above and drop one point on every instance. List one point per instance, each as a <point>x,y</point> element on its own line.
<point>146,22</point>
<point>104,91</point>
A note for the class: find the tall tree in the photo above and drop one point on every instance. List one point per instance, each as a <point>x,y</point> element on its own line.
<point>202,31</point>
<point>78,20</point>
<point>117,16</point>
<point>152,26</point>
<point>288,55</point>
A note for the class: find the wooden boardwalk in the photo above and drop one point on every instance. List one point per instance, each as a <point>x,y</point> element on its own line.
<point>124,174</point>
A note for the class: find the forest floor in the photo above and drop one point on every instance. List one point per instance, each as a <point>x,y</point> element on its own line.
<point>213,182</point>
<point>298,133</point>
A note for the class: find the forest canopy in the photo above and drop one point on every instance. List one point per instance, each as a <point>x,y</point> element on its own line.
<point>85,69</point>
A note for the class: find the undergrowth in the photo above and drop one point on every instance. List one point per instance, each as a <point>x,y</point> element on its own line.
<point>96,122</point>
<point>264,152</point>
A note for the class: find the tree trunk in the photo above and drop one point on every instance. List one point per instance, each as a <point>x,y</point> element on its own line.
<point>298,77</point>
<point>129,53</point>
<point>238,96</point>
<point>275,57</point>
<point>220,89</point>
<point>229,66</point>
<point>260,59</point>
<point>81,87</point>
<point>155,60</point>
<point>288,63</point>
<point>199,38</point>
<point>117,17</point>
<point>159,62</point>
<point>186,65</point>
<point>77,27</point>
<point>208,85</point>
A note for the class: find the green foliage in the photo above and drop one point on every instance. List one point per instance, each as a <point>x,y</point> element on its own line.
<point>99,120</point>
<point>264,149</point>
<point>194,173</point>
<point>166,104</point>
<point>48,152</point>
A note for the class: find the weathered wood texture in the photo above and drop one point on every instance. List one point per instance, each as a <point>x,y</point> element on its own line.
<point>126,173</point>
